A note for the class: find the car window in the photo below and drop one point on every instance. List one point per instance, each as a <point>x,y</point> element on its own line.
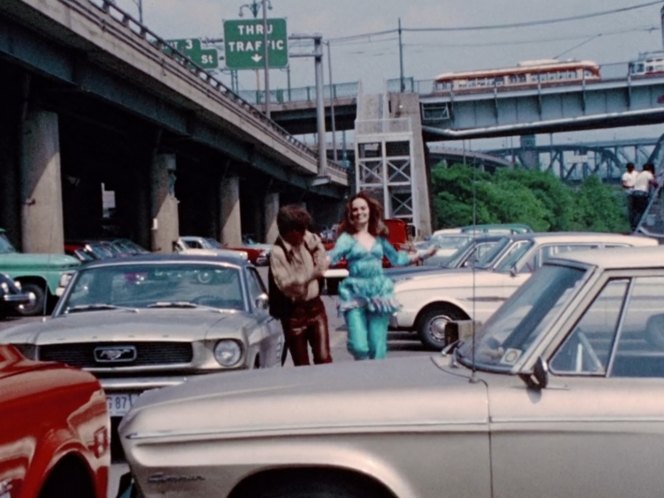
<point>522,319</point>
<point>587,349</point>
<point>548,251</point>
<point>6,247</point>
<point>513,254</point>
<point>256,286</point>
<point>640,345</point>
<point>147,286</point>
<point>621,333</point>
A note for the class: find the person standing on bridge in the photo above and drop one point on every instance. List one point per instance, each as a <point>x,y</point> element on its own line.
<point>297,262</point>
<point>366,296</point>
<point>644,183</point>
<point>628,179</point>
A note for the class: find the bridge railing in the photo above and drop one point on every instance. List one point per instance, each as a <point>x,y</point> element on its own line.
<point>609,71</point>
<point>302,94</point>
<point>214,88</point>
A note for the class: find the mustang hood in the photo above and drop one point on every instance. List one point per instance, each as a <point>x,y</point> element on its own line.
<point>395,394</point>
<point>147,324</point>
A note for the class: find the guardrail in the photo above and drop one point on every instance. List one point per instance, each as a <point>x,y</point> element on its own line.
<point>200,78</point>
<point>615,71</point>
<point>303,94</point>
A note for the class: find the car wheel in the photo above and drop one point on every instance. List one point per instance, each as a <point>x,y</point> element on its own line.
<point>314,485</point>
<point>38,306</point>
<point>432,326</point>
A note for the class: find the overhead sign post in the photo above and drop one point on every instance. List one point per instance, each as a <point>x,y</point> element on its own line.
<point>207,58</point>
<point>244,44</point>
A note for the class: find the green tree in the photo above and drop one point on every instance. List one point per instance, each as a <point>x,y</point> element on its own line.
<point>555,197</point>
<point>599,208</point>
<point>463,195</point>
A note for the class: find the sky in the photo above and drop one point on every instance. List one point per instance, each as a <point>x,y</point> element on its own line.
<point>358,52</point>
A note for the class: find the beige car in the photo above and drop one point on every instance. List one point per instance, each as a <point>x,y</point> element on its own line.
<point>429,301</point>
<point>560,394</point>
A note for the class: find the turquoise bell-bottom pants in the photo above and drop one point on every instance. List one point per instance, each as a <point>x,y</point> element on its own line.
<point>367,333</point>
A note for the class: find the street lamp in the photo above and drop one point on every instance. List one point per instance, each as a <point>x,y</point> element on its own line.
<point>254,7</point>
<point>139,4</point>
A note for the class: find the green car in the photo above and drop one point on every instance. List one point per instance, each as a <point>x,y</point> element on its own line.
<point>38,273</point>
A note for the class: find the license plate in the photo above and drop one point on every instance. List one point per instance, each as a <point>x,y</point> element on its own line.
<point>120,404</point>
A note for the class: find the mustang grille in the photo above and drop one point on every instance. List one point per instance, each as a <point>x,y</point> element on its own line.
<point>87,355</point>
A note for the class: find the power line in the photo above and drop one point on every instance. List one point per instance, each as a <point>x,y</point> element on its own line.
<point>498,26</point>
<point>540,22</point>
<point>530,41</point>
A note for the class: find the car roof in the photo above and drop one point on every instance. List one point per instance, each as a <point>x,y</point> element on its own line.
<point>585,237</point>
<point>170,258</point>
<point>616,257</point>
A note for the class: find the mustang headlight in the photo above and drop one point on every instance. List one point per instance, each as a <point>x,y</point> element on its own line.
<point>4,287</point>
<point>227,352</point>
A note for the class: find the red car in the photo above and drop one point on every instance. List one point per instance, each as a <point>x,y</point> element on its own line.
<point>54,436</point>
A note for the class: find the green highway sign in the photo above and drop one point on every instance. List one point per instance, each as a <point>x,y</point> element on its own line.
<point>207,58</point>
<point>244,44</point>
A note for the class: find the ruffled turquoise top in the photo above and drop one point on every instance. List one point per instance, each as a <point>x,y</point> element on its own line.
<point>366,285</point>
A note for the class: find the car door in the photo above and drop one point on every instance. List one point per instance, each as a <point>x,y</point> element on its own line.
<point>268,330</point>
<point>597,428</point>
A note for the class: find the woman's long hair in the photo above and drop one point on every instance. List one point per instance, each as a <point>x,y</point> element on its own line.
<point>376,226</point>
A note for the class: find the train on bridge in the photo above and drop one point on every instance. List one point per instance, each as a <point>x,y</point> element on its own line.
<point>542,73</point>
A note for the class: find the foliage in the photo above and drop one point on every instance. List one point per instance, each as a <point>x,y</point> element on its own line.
<point>536,198</point>
<point>599,209</point>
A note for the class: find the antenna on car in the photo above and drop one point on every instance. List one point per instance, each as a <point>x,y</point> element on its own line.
<point>473,377</point>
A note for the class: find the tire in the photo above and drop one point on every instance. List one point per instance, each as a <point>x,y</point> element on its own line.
<point>41,297</point>
<point>313,485</point>
<point>432,326</point>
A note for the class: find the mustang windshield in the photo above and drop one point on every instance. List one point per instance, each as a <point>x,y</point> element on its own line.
<point>516,324</point>
<point>147,286</point>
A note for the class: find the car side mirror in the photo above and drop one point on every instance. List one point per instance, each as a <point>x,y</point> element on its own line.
<point>539,379</point>
<point>262,302</point>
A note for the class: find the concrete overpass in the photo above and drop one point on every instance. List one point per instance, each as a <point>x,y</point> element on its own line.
<point>92,98</point>
<point>493,112</point>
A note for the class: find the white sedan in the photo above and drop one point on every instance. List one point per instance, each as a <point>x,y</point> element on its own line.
<point>431,301</point>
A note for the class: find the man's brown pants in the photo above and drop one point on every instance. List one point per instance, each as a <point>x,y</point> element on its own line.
<point>307,326</point>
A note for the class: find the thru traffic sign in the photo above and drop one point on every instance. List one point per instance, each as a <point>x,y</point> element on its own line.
<point>244,44</point>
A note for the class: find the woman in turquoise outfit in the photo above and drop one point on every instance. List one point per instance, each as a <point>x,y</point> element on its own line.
<point>366,296</point>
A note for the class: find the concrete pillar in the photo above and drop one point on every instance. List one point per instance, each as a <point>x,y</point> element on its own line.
<point>271,210</point>
<point>40,184</point>
<point>528,154</point>
<point>165,221</point>
<point>231,221</point>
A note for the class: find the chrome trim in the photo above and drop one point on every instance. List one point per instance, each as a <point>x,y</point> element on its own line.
<point>295,430</point>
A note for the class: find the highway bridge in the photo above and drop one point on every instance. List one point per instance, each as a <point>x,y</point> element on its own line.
<point>94,102</point>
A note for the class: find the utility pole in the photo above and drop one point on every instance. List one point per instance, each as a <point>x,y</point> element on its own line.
<point>267,64</point>
<point>402,85</point>
<point>322,178</point>
<point>254,7</point>
<point>332,96</point>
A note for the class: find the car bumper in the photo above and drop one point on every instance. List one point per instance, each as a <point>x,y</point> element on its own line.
<point>18,299</point>
<point>403,320</point>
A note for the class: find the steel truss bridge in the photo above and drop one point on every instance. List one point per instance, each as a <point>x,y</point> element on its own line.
<point>571,162</point>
